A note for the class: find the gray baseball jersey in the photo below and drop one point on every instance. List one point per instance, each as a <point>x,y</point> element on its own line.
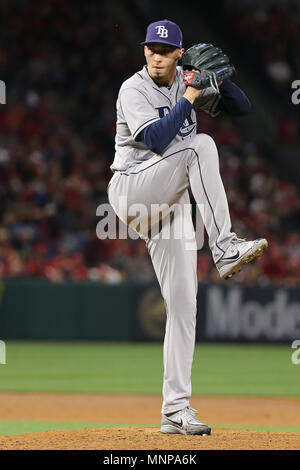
<point>140,103</point>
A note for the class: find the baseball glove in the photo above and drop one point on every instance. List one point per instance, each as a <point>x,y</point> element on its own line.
<point>213,65</point>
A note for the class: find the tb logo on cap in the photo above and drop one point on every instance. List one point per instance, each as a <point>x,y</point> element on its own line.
<point>162,31</point>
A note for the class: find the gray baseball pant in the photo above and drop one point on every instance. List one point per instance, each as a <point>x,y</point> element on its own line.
<point>165,179</point>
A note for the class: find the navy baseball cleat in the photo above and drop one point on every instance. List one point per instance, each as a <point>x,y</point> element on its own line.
<point>184,422</point>
<point>238,253</point>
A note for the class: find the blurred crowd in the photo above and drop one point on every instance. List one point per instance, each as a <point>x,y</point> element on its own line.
<point>268,33</point>
<point>63,67</point>
<point>261,204</point>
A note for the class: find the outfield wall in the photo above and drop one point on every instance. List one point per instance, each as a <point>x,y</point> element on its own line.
<point>39,310</point>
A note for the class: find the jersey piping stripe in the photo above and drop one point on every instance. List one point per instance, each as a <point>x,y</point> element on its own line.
<point>146,122</point>
<point>174,153</point>
<point>177,87</point>
<point>163,94</point>
<point>208,199</point>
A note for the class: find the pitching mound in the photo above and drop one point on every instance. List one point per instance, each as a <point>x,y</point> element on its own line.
<point>149,439</point>
<point>135,411</point>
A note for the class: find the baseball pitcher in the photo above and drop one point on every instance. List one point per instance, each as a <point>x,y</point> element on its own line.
<point>159,157</point>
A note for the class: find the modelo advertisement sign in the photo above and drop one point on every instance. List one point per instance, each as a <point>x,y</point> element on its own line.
<point>235,313</point>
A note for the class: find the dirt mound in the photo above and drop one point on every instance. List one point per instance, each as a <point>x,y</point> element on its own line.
<point>143,410</point>
<point>149,439</point>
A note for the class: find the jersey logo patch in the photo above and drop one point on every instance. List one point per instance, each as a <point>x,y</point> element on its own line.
<point>187,127</point>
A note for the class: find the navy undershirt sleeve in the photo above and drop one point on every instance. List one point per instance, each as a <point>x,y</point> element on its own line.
<point>158,135</point>
<point>233,99</point>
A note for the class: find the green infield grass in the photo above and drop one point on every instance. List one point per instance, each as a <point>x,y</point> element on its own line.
<point>218,369</point>
<point>10,427</point>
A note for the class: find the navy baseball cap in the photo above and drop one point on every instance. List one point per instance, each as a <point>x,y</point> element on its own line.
<point>164,32</point>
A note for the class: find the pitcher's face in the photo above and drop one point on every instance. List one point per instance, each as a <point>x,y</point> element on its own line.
<point>161,61</point>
